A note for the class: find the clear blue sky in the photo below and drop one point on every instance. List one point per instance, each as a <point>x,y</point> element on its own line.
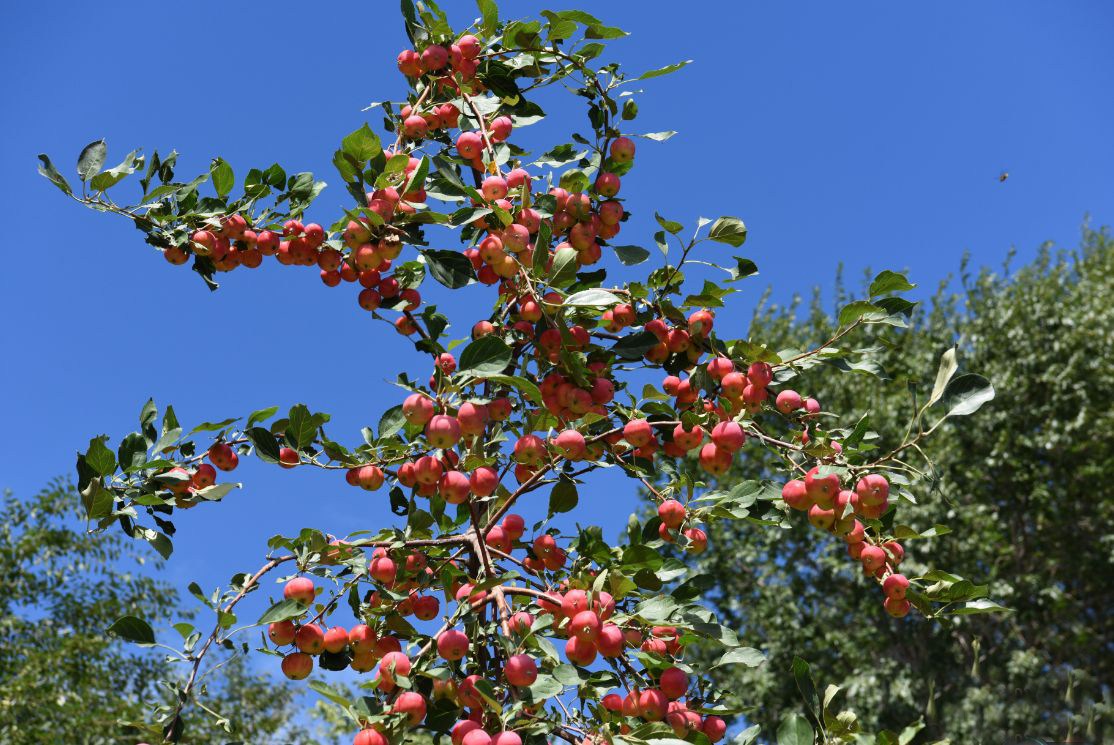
<point>870,134</point>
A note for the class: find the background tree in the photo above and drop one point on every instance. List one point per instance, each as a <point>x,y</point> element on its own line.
<point>1027,491</point>
<point>62,679</point>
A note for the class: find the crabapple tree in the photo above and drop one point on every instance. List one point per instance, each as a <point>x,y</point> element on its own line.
<point>462,619</point>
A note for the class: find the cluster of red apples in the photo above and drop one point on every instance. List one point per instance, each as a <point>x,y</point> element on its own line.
<point>588,620</point>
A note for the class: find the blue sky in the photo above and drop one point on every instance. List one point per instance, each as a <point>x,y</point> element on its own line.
<point>870,134</point>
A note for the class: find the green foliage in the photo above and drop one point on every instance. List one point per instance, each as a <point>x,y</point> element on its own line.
<point>62,679</point>
<point>1029,507</point>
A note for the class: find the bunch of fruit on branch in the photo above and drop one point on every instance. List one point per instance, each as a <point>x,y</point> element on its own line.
<point>466,617</point>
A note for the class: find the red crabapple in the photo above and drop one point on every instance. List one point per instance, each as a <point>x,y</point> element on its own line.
<point>501,128</point>
<point>638,432</point>
<point>673,682</point>
<point>452,644</point>
<point>622,149</point>
<point>795,495</point>
<point>520,670</point>
<point>300,589</point>
<point>443,431</point>
<point>788,402</point>
<point>281,633</point>
<point>310,639</point>
<point>336,639</point>
<point>411,704</point>
<point>297,666</point>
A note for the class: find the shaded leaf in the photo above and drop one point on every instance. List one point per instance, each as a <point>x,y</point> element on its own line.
<point>564,496</point>
<point>887,282</point>
<point>282,611</point>
<point>363,144</point>
<point>47,169</point>
<point>966,394</point>
<point>663,70</point>
<point>488,355</point>
<point>748,656</point>
<point>795,730</point>
<point>91,159</point>
<point>948,366</point>
<point>730,230</point>
<point>631,255</point>
<point>132,629</point>
<point>451,268</point>
<point>223,178</point>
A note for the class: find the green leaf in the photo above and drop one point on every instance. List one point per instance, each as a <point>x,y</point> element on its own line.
<point>663,70</point>
<point>748,656</point>
<point>47,169</point>
<point>451,268</point>
<point>743,268</point>
<point>560,155</point>
<point>594,298</point>
<point>670,225</point>
<point>948,366</point>
<point>658,136</point>
<point>418,176</point>
<point>282,611</point>
<point>526,386</point>
<point>330,693</point>
<point>488,355</point>
<point>730,230</point>
<point>859,310</point>
<point>132,451</point>
<point>363,144</point>
<point>213,426</point>
<point>301,427</point>
<point>540,259</point>
<point>261,415</point>
<point>905,533</point>
<point>887,282</point>
<point>113,176</point>
<point>598,31</point>
<point>633,346</point>
<point>392,422</point>
<point>223,178</point>
<point>631,255</point>
<point>266,444</point>
<point>96,500</point>
<point>489,13</point>
<point>486,689</point>
<point>979,606</point>
<point>564,268</point>
<point>216,491</point>
<point>694,587</point>
<point>91,160</point>
<point>564,496</point>
<point>160,543</point>
<point>99,457</point>
<point>661,242</point>
<point>795,730</point>
<point>574,181</point>
<point>747,736</point>
<point>468,214</point>
<point>966,394</point>
<point>640,556</point>
<point>132,629</point>
<point>802,674</point>
<point>545,687</point>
